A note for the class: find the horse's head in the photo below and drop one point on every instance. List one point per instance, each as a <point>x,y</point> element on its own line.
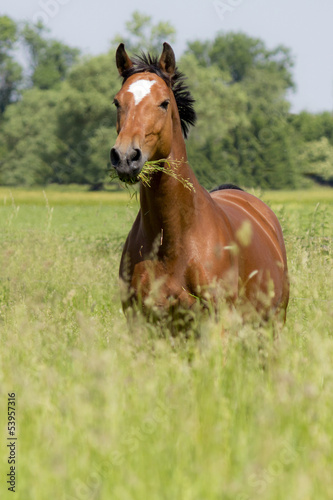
<point>144,113</point>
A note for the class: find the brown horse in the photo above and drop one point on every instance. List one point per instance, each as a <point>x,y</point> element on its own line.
<point>187,244</point>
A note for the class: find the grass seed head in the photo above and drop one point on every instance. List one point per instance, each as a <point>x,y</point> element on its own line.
<point>168,167</point>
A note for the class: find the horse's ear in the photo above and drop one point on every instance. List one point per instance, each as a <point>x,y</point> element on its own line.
<point>167,60</point>
<point>122,60</point>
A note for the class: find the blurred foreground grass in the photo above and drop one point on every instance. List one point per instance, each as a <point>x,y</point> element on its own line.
<point>107,413</point>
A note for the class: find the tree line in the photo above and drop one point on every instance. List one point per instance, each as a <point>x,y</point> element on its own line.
<point>57,122</point>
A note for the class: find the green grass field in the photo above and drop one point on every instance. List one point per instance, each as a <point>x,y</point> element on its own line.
<point>104,413</point>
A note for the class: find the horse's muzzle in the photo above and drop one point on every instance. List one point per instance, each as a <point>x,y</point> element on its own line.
<point>127,165</point>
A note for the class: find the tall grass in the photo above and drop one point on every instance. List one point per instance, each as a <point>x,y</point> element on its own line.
<point>108,413</point>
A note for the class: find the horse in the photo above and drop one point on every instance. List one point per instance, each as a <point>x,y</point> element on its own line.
<point>187,245</point>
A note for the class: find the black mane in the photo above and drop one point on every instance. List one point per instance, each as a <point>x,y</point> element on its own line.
<point>184,100</point>
<point>226,186</point>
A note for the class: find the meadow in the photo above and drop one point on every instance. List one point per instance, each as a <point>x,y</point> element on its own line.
<point>104,411</point>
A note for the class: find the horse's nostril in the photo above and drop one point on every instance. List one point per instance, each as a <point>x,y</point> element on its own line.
<point>125,161</point>
<point>115,158</point>
<point>136,155</point>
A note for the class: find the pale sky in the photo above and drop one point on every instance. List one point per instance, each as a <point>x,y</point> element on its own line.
<point>305,26</point>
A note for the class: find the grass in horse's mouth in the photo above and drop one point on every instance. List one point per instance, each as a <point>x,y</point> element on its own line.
<point>169,167</point>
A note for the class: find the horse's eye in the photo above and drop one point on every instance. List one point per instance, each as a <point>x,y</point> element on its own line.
<point>116,103</point>
<point>165,104</point>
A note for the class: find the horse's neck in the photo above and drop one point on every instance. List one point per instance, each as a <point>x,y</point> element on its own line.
<point>168,207</point>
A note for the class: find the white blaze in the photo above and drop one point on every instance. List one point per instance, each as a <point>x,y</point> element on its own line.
<point>140,89</point>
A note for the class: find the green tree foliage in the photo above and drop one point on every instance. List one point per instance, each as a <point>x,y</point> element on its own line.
<point>10,70</point>
<point>239,54</point>
<point>255,146</point>
<point>85,122</point>
<point>50,60</point>
<point>63,135</point>
<point>143,35</point>
<point>30,139</point>
<point>317,161</point>
<point>62,128</point>
<point>315,144</point>
<point>220,110</point>
<point>311,127</point>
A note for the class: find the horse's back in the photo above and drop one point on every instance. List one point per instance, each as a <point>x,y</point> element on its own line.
<point>258,235</point>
